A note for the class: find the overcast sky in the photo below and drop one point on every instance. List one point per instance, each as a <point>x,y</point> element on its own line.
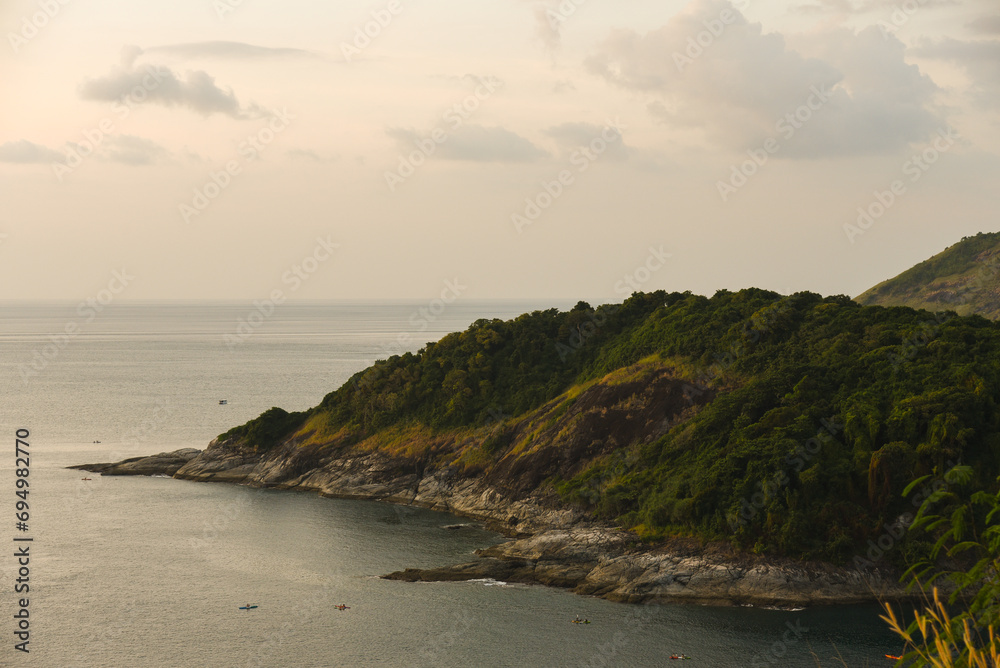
<point>527,148</point>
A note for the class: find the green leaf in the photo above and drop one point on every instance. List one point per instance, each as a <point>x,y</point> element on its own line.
<point>959,475</point>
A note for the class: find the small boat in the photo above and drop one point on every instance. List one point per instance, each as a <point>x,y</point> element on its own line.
<point>581,621</point>
<point>223,402</point>
<point>679,656</point>
<point>96,441</point>
<point>85,478</point>
<point>342,607</point>
<point>247,607</point>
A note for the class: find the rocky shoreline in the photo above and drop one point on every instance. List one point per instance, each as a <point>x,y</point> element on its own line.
<point>549,545</point>
<point>165,463</point>
<point>607,563</point>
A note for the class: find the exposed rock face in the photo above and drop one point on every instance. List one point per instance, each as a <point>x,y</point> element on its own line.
<point>165,463</point>
<point>603,419</point>
<point>558,547</point>
<point>376,475</point>
<point>605,562</point>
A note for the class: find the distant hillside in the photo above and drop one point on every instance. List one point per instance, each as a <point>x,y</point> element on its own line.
<point>964,278</point>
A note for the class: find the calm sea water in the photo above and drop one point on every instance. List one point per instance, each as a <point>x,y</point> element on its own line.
<point>152,571</point>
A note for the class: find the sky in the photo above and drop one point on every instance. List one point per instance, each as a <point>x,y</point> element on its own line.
<point>394,149</point>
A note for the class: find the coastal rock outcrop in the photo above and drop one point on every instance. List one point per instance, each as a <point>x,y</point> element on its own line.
<point>610,564</point>
<point>379,476</point>
<point>164,463</point>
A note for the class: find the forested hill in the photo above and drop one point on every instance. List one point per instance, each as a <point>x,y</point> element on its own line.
<point>964,278</point>
<point>788,425</point>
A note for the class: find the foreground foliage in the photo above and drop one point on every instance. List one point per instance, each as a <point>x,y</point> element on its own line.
<point>965,523</point>
<point>937,639</point>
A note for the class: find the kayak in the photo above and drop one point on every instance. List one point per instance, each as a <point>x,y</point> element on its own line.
<point>247,607</point>
<point>342,607</point>
<point>682,656</point>
<point>893,658</point>
<point>580,621</point>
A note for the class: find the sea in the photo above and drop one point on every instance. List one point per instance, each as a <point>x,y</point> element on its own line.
<point>152,571</point>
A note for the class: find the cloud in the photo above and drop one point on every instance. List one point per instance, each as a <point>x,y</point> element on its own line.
<point>474,143</point>
<point>221,49</point>
<point>548,27</point>
<point>24,152</point>
<point>979,58</point>
<point>825,6</point>
<point>550,15</point>
<point>571,136</point>
<point>466,79</point>
<point>132,150</point>
<point>125,149</point>
<point>737,86</point>
<point>310,155</point>
<point>850,7</point>
<point>158,84</point>
<point>985,25</point>
<point>563,86</point>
